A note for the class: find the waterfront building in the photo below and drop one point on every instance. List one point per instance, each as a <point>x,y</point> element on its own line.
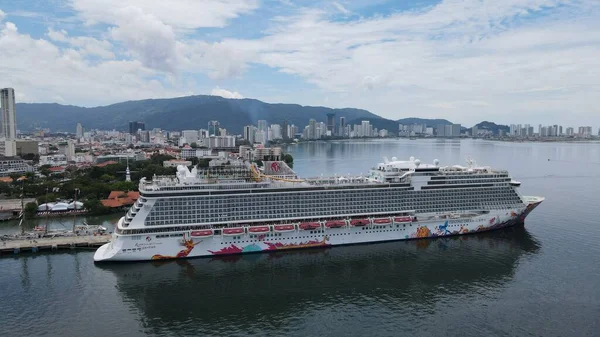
<point>8,123</point>
<point>312,129</point>
<point>285,130</point>
<point>342,127</point>
<point>275,132</point>
<point>331,123</point>
<point>570,132</point>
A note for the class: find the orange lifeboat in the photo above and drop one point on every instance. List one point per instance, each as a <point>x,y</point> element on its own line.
<point>382,221</point>
<point>233,231</point>
<point>335,224</point>
<point>360,222</point>
<point>309,225</point>
<point>283,228</point>
<point>202,233</point>
<point>258,229</point>
<point>403,219</point>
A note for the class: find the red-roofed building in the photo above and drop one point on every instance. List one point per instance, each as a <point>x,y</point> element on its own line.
<point>106,163</point>
<point>117,199</point>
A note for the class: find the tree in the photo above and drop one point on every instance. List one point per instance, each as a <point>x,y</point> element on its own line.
<point>50,197</point>
<point>204,162</point>
<point>30,176</point>
<point>194,160</point>
<point>94,206</point>
<point>107,177</point>
<point>45,170</point>
<point>194,145</point>
<point>31,209</point>
<point>288,159</point>
<point>15,177</point>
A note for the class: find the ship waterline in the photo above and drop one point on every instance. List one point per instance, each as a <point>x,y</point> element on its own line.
<point>245,210</point>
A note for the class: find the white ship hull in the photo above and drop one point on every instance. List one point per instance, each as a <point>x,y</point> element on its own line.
<point>181,245</point>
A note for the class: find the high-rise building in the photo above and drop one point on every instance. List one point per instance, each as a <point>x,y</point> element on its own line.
<point>312,129</point>
<point>250,133</point>
<point>366,129</point>
<point>275,131</point>
<point>135,126</point>
<point>342,128</point>
<point>190,136</point>
<point>79,131</point>
<point>262,125</point>
<point>9,119</point>
<point>213,128</point>
<point>285,130</point>
<point>331,122</point>
<point>570,131</point>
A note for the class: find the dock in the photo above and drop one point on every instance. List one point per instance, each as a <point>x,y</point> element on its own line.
<point>13,247</point>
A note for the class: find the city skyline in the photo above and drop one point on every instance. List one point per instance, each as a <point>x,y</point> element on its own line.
<point>466,61</point>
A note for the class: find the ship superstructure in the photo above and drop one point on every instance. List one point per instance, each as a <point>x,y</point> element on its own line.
<point>237,207</point>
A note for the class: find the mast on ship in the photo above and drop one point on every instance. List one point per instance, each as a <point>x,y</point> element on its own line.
<point>22,214</point>
<point>75,209</point>
<point>47,213</point>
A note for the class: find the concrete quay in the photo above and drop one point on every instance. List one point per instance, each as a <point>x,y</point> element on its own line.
<point>13,247</point>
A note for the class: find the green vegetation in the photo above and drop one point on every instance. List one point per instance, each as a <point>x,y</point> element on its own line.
<point>288,159</point>
<point>93,184</point>
<point>31,209</point>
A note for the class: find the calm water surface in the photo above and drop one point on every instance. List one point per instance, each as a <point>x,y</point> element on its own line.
<point>539,280</point>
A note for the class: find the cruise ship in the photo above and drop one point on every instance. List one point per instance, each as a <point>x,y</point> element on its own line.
<point>236,207</point>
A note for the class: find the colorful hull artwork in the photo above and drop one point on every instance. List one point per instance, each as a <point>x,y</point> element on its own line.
<point>159,248</point>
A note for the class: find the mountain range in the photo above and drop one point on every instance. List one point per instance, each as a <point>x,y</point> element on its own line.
<point>192,112</point>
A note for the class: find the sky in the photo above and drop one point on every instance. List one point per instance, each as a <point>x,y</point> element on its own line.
<point>508,61</point>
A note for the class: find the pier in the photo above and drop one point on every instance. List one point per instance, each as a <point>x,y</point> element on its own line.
<point>13,247</point>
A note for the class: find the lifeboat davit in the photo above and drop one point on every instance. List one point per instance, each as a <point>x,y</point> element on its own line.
<point>382,221</point>
<point>283,228</point>
<point>258,229</point>
<point>401,219</point>
<point>310,225</point>
<point>233,231</point>
<point>360,222</point>
<point>335,224</point>
<point>202,233</point>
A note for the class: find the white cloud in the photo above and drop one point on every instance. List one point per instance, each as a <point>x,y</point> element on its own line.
<point>2,15</point>
<point>510,60</point>
<point>225,93</point>
<point>181,14</point>
<point>60,36</point>
<point>41,71</point>
<point>85,45</point>
<point>147,38</point>
<point>340,8</point>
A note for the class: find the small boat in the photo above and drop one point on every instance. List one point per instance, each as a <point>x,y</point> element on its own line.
<point>516,183</point>
<point>202,233</point>
<point>382,221</point>
<point>401,219</point>
<point>335,224</point>
<point>233,231</point>
<point>283,228</point>
<point>310,225</point>
<point>39,228</point>
<point>258,229</point>
<point>360,222</point>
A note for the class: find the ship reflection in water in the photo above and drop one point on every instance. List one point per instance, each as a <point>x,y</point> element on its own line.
<point>266,293</point>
